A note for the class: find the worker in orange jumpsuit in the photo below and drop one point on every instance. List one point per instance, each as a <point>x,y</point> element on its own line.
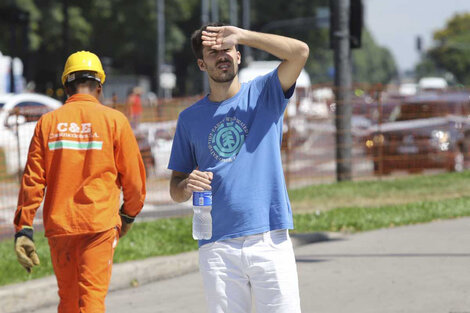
<point>80,157</point>
<point>135,106</point>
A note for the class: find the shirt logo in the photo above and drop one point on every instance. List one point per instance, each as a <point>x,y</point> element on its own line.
<point>226,139</point>
<point>83,132</point>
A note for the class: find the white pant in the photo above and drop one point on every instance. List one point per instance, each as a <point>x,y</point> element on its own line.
<point>262,266</point>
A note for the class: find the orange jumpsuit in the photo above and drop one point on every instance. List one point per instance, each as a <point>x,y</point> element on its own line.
<point>84,153</point>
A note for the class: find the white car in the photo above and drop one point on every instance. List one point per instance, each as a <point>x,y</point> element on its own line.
<point>160,139</point>
<point>18,116</point>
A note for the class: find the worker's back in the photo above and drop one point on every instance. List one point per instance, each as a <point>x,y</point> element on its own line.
<point>87,147</point>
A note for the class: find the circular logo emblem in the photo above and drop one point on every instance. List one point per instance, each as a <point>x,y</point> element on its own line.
<point>226,139</point>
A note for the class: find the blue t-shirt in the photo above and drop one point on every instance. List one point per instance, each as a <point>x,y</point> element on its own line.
<point>239,140</point>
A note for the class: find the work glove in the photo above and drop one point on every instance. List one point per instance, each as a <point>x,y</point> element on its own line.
<point>126,221</point>
<point>124,228</point>
<point>26,252</point>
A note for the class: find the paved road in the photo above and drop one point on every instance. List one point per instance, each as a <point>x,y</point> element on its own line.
<point>412,269</point>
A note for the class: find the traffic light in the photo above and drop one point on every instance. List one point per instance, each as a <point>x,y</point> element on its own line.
<point>356,17</point>
<point>419,43</point>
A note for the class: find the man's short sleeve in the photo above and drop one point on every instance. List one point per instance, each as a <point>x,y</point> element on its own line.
<point>271,91</point>
<point>182,157</point>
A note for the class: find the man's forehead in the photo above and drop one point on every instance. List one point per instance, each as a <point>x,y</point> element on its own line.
<point>209,50</point>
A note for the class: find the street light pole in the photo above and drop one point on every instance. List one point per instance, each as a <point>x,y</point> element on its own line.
<point>342,60</point>
<point>204,21</point>
<point>233,13</point>
<point>13,56</point>
<point>246,25</point>
<point>204,12</point>
<point>215,10</point>
<point>65,28</point>
<point>160,44</point>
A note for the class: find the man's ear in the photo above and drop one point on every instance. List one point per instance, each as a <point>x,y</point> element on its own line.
<point>99,90</point>
<point>99,93</point>
<point>201,64</point>
<point>239,57</point>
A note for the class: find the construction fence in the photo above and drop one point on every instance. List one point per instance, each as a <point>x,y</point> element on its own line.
<point>389,134</point>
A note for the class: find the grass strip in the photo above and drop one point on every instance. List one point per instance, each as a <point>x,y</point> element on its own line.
<point>172,236</point>
<point>146,239</point>
<point>351,207</point>
<point>355,219</point>
<point>380,193</point>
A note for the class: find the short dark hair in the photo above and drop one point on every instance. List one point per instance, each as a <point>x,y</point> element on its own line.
<point>85,82</point>
<point>196,41</point>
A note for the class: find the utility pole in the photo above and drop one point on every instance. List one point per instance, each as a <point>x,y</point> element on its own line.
<point>26,52</point>
<point>214,10</point>
<point>65,28</point>
<point>342,60</point>
<point>160,44</point>
<point>233,13</point>
<point>13,56</point>
<point>17,19</point>
<point>204,21</point>
<point>204,12</point>
<point>246,25</point>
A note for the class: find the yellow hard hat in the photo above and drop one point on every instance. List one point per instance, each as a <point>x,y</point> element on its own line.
<point>83,61</point>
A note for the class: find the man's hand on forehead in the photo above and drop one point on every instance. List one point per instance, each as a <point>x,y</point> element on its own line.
<point>220,37</point>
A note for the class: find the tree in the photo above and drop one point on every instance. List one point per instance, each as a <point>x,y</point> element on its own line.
<point>427,67</point>
<point>450,52</point>
<point>124,34</point>
<point>372,63</point>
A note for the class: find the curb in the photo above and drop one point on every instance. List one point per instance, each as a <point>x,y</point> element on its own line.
<point>23,297</point>
<point>42,292</point>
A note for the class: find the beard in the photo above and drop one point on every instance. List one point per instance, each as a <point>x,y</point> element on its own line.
<point>223,77</point>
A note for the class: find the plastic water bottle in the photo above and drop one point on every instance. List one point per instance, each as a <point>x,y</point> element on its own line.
<point>202,219</point>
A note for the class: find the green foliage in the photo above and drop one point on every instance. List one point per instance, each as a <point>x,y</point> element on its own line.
<point>146,239</point>
<point>35,16</point>
<point>450,52</point>
<point>427,67</point>
<point>13,272</point>
<point>372,63</point>
<point>378,193</point>
<point>161,237</point>
<point>126,33</point>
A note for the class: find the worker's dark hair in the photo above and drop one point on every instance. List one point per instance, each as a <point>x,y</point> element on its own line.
<point>73,86</point>
<point>196,41</point>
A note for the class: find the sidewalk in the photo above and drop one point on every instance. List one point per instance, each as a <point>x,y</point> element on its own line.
<point>421,268</point>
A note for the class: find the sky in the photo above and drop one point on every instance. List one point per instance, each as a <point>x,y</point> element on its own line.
<point>395,24</point>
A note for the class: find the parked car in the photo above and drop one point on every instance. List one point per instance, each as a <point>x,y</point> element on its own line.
<point>430,131</point>
<point>159,137</point>
<point>146,151</point>
<point>18,116</point>
<point>427,84</point>
<point>378,112</point>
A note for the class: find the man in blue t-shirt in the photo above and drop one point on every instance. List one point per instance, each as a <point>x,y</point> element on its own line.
<point>229,142</point>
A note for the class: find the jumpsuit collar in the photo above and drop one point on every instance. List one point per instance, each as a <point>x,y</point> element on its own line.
<point>81,97</point>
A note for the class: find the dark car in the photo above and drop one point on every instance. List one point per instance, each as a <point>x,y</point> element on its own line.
<point>145,151</point>
<point>430,131</point>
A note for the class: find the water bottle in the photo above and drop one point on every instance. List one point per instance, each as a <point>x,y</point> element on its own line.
<point>202,219</point>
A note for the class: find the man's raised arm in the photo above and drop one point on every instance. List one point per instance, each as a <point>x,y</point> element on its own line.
<point>292,52</point>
